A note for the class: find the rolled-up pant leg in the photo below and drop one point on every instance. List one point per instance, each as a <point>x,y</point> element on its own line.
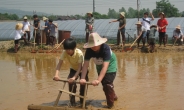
<point>108,88</point>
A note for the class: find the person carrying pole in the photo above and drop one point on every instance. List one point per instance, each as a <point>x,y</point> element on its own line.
<point>46,30</point>
<point>76,59</point>
<point>36,25</point>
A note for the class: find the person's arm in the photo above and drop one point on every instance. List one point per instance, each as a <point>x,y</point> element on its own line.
<point>84,71</point>
<point>58,67</point>
<point>140,34</point>
<point>76,74</point>
<point>152,17</point>
<point>113,21</point>
<point>102,74</point>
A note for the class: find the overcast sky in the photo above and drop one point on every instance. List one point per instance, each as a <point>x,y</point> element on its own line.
<point>70,7</point>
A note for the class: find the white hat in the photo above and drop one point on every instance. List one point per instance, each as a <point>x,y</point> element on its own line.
<point>25,17</point>
<point>138,23</point>
<point>44,18</point>
<point>122,14</point>
<point>178,27</point>
<point>94,40</point>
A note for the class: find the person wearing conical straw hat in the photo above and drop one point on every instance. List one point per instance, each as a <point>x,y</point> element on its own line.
<point>46,30</point>
<point>152,36</point>
<point>141,33</point>
<point>106,65</point>
<point>89,24</point>
<point>178,35</point>
<point>18,35</point>
<point>162,24</point>
<point>121,29</point>
<point>26,28</point>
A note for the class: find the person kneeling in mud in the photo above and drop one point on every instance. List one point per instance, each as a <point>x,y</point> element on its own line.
<point>18,35</point>
<point>76,59</point>
<point>106,65</point>
<point>152,36</point>
<point>178,36</point>
<point>141,34</point>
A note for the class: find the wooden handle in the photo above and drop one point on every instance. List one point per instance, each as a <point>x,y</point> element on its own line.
<point>88,83</point>
<point>57,46</point>
<point>134,42</point>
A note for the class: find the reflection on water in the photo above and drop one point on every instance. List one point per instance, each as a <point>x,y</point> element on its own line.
<point>144,81</point>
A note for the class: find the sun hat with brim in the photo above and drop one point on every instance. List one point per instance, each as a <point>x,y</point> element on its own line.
<point>44,18</point>
<point>18,26</point>
<point>162,13</point>
<point>90,13</point>
<point>138,23</point>
<point>25,17</point>
<point>153,26</point>
<point>122,14</point>
<point>94,40</point>
<point>178,27</point>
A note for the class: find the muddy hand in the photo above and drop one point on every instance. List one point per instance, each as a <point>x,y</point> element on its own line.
<point>71,80</point>
<point>95,83</point>
<point>56,78</point>
<point>82,81</point>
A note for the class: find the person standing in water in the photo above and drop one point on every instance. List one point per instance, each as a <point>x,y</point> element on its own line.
<point>146,22</point>
<point>162,24</point>
<point>89,24</point>
<point>121,29</point>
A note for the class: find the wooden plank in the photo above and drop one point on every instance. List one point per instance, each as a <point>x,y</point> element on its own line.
<point>71,93</point>
<point>59,95</point>
<point>62,80</point>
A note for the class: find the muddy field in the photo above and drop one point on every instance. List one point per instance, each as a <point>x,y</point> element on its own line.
<point>144,81</point>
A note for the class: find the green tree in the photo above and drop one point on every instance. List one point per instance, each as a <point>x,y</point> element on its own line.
<point>112,13</point>
<point>166,7</point>
<point>132,13</point>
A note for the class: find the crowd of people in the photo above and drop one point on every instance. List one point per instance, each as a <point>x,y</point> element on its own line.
<point>50,30</point>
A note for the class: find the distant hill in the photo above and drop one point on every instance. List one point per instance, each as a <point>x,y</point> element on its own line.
<point>20,13</point>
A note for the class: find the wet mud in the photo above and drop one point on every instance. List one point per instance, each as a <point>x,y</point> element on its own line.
<point>144,81</point>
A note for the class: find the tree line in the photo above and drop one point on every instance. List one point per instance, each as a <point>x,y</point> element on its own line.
<point>161,6</point>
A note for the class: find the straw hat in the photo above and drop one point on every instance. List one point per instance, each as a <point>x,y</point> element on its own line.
<point>90,13</point>
<point>162,13</point>
<point>153,26</point>
<point>18,26</point>
<point>122,14</point>
<point>178,27</point>
<point>44,18</point>
<point>138,23</point>
<point>94,40</point>
<point>25,17</point>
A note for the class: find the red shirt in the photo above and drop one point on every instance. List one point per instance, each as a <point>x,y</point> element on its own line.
<point>161,23</point>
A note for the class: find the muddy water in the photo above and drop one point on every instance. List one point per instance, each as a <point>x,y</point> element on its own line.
<point>143,82</point>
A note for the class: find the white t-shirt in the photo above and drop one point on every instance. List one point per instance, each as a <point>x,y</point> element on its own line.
<point>146,24</point>
<point>18,34</point>
<point>26,26</point>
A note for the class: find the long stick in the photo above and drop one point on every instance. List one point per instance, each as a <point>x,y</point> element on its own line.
<point>34,38</point>
<point>120,38</point>
<point>77,82</point>
<point>134,42</point>
<point>41,39</point>
<point>57,46</point>
<point>175,42</point>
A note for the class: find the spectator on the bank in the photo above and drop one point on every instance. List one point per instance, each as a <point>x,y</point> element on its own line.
<point>121,29</point>
<point>141,33</point>
<point>178,36</point>
<point>146,22</point>
<point>46,30</point>
<point>26,28</point>
<point>162,24</point>
<point>36,25</point>
<point>52,31</point>
<point>89,24</point>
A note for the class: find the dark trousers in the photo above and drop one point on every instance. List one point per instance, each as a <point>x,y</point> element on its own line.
<point>108,88</point>
<point>162,38</point>
<point>38,36</point>
<point>73,86</point>
<point>28,34</point>
<point>87,36</point>
<point>148,33</point>
<point>123,36</point>
<point>52,40</point>
<point>141,38</point>
<point>17,42</point>
<point>47,38</point>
